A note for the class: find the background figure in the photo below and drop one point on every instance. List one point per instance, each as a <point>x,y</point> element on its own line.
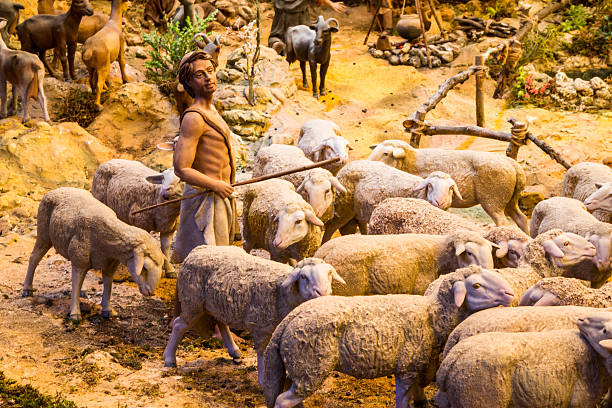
<point>290,13</point>
<point>384,16</point>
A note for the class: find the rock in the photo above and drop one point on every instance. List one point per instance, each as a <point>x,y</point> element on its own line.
<point>597,83</point>
<point>583,87</point>
<point>406,48</point>
<point>138,52</point>
<point>394,60</point>
<point>446,56</point>
<point>249,124</point>
<point>133,73</point>
<point>378,54</point>
<point>39,157</point>
<point>415,61</point>
<point>133,39</point>
<point>120,124</point>
<point>405,59</point>
<point>387,54</point>
<point>564,86</point>
<point>396,51</point>
<point>576,62</point>
<point>435,61</point>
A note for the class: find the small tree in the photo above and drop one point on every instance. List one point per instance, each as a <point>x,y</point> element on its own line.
<point>251,42</point>
<point>169,48</point>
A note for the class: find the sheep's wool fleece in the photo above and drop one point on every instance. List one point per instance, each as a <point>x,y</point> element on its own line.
<point>573,292</point>
<point>579,183</point>
<point>537,369</point>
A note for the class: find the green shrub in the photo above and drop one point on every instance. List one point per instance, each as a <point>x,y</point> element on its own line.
<point>596,37</point>
<point>169,48</point>
<point>541,46</point>
<point>13,395</point>
<point>574,18</point>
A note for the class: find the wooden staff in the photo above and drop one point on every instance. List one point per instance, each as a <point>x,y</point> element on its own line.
<point>420,13</point>
<point>372,23</point>
<point>242,183</point>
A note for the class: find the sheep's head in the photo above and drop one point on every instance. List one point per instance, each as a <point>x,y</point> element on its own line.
<point>293,223</point>
<point>318,190</point>
<point>568,249</point>
<point>510,252</point>
<point>313,278</point>
<point>544,293</point>
<point>391,152</point>
<point>482,290</point>
<point>600,199</point>
<point>170,184</point>
<point>472,249</point>
<point>603,245</point>
<point>440,188</point>
<point>145,265</point>
<point>82,7</point>
<point>597,329</point>
<point>335,146</point>
<point>324,29</point>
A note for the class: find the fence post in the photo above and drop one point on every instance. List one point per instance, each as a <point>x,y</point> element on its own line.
<point>480,77</point>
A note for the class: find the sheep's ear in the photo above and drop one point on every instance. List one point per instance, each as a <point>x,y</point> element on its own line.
<point>337,185</point>
<point>136,262</point>
<point>333,29</point>
<point>422,184</point>
<point>493,244</point>
<point>291,278</point>
<point>372,147</point>
<point>552,249</point>
<point>349,147</point>
<point>312,218</point>
<point>301,187</point>
<point>459,292</point>
<point>276,218</point>
<point>456,191</point>
<point>337,277</point>
<point>155,179</point>
<point>607,345</point>
<point>459,248</point>
<point>166,146</point>
<point>598,185</point>
<point>2,23</point>
<point>502,250</point>
<point>399,153</point>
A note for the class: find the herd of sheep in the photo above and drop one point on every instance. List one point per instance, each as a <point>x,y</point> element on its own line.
<point>416,292</point>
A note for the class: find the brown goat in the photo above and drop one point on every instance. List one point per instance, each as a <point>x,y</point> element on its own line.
<point>104,47</point>
<point>10,12</point>
<point>40,33</point>
<point>26,73</point>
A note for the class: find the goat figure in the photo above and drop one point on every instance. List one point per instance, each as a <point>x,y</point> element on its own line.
<point>26,74</point>
<point>10,12</point>
<point>312,44</point>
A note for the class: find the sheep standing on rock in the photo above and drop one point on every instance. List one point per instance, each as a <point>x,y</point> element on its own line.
<point>227,286</point>
<point>416,216</point>
<point>322,140</point>
<point>90,236</point>
<point>277,219</point>
<point>317,186</point>
<point>571,215</point>
<point>127,186</point>
<point>591,183</point>
<point>537,369</point>
<point>491,180</point>
<point>374,336</point>
<point>560,291</point>
<point>368,183</point>
<point>403,263</point>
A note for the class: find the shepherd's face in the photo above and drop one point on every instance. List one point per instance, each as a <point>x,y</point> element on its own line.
<point>203,80</point>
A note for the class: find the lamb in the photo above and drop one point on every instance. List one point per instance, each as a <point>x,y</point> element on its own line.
<point>552,369</point>
<point>127,186</point>
<point>90,236</point>
<point>322,140</point>
<point>571,215</point>
<point>374,336</point>
<point>403,263</point>
<point>591,183</point>
<point>316,186</point>
<point>277,219</point>
<point>232,288</point>
<point>368,183</point>
<point>491,180</point>
<point>413,215</point>
<point>26,73</point>
<point>104,47</point>
<point>560,291</point>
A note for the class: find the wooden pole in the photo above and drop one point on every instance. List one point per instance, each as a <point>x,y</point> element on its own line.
<point>420,13</point>
<point>365,41</point>
<point>433,11</point>
<point>249,181</point>
<point>480,77</point>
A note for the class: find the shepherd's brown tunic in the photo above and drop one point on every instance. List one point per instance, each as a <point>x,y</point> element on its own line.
<point>289,13</point>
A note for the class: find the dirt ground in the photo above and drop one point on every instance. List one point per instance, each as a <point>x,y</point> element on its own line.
<point>118,363</point>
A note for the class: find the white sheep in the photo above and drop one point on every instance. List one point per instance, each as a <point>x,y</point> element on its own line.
<point>571,215</point>
<point>322,140</point>
<point>533,369</point>
<point>316,186</point>
<point>489,179</point>
<point>591,183</point>
<point>416,216</point>
<point>126,186</point>
<point>561,291</point>
<point>374,336</point>
<point>402,263</point>
<point>277,219</point>
<point>367,183</point>
<point>227,286</point>
<point>90,236</point>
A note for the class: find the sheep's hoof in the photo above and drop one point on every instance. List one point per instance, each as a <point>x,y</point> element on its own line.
<point>171,275</point>
<point>27,293</point>
<point>68,80</point>
<point>420,404</point>
<point>75,317</point>
<point>322,92</point>
<point>106,314</point>
<point>305,84</point>
<point>170,364</point>
<point>316,96</point>
<point>237,360</point>
<point>98,108</point>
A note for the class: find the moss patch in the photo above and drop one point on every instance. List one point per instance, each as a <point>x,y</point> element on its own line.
<point>78,107</point>
<point>25,396</point>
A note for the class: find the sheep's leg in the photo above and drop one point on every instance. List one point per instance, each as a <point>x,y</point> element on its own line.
<point>78,276</point>
<point>497,214</point>
<point>179,328</point>
<point>124,77</point>
<point>71,52</point>
<point>101,74</point>
<point>322,73</point>
<point>43,57</point>
<point>42,99</point>
<point>3,112</point>
<point>418,395</point>
<point>402,392</point>
<point>303,68</point>
<point>24,103</point>
<point>519,218</point>
<point>288,399</point>
<point>228,342</point>
<point>64,58</point>
<point>335,223</point>
<point>363,227</point>
<point>107,279</point>
<point>13,105</point>
<point>313,76</point>
<point>166,240</point>
<point>41,247</point>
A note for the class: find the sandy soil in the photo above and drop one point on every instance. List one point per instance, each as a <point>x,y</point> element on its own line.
<point>118,363</point>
